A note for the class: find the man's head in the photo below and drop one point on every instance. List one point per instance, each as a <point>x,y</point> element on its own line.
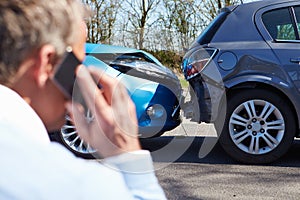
<point>33,36</point>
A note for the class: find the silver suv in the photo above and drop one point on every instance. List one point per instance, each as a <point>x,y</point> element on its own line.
<point>244,72</point>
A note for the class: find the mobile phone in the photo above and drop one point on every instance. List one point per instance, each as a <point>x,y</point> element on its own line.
<point>64,73</point>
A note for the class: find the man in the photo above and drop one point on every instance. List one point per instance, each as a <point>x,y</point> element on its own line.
<point>33,37</point>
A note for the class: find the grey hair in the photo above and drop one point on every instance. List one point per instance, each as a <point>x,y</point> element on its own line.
<point>27,25</point>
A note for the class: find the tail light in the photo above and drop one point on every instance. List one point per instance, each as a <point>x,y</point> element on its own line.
<point>196,67</point>
<point>196,61</point>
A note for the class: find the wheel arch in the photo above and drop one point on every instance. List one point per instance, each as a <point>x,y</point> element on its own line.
<point>267,86</point>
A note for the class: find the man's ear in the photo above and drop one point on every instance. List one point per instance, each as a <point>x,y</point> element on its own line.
<point>44,64</point>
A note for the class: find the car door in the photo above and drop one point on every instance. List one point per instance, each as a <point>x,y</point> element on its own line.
<point>280,28</point>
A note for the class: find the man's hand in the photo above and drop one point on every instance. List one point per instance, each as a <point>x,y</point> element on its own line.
<point>114,128</point>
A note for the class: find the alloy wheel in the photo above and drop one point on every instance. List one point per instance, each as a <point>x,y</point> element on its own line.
<point>256,127</point>
<point>71,138</point>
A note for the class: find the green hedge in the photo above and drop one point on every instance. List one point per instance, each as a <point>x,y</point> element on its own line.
<point>168,58</point>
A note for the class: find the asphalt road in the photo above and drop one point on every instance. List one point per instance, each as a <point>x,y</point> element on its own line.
<point>191,165</point>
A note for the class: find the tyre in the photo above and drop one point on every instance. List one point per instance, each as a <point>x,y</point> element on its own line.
<point>259,126</point>
<point>68,137</point>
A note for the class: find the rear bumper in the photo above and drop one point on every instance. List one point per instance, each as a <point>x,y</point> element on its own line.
<point>199,106</point>
<point>205,101</point>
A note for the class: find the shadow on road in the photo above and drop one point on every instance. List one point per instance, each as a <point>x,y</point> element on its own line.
<point>187,151</point>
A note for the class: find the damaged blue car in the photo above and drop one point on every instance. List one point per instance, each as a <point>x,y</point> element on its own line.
<point>155,90</point>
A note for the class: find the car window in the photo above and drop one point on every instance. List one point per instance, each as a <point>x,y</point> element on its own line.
<point>279,24</point>
<point>208,33</point>
<point>297,13</point>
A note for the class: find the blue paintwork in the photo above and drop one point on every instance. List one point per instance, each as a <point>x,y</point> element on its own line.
<point>143,92</point>
<point>103,48</point>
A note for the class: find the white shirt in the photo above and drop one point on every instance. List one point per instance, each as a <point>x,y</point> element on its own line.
<point>32,167</point>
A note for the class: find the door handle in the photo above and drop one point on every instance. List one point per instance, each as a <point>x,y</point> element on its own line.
<point>295,60</point>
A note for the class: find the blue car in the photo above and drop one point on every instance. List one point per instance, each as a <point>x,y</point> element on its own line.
<point>155,90</point>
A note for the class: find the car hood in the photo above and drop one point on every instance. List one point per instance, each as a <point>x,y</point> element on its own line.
<point>135,63</point>
<point>112,52</point>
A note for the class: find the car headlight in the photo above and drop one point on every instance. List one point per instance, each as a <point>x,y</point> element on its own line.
<point>196,61</point>
<point>155,111</point>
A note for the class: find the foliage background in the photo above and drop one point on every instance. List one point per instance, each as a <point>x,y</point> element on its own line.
<point>164,28</point>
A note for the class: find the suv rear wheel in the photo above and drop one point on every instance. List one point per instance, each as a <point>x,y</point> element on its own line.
<point>259,126</point>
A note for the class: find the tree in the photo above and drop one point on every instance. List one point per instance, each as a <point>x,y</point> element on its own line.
<point>138,13</point>
<point>101,25</point>
<point>151,24</point>
<point>182,20</point>
<point>212,7</point>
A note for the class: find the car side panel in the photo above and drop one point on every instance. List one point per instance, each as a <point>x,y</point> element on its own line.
<point>285,51</point>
